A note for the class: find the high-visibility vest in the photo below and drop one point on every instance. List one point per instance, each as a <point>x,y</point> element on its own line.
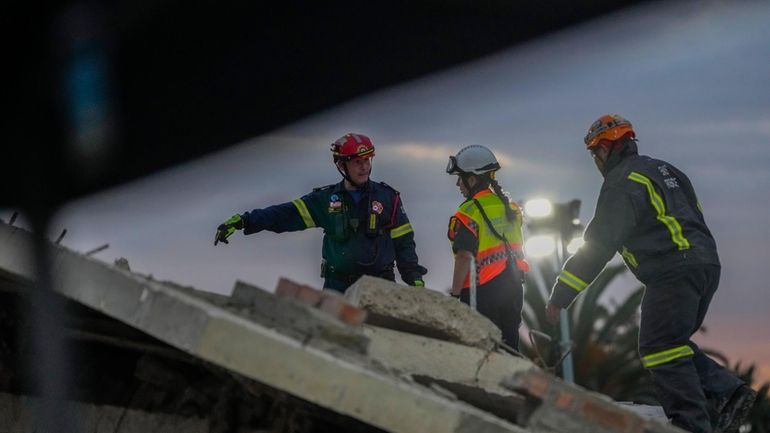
<point>491,256</point>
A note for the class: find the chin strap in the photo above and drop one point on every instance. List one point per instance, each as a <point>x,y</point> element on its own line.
<point>346,175</point>
<point>464,180</point>
<point>477,188</point>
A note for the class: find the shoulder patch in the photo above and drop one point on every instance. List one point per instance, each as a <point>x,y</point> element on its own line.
<point>388,187</point>
<point>322,188</point>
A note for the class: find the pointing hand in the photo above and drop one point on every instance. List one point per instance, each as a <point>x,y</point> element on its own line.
<point>228,228</point>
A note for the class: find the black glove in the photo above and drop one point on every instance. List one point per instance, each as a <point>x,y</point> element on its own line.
<point>228,228</point>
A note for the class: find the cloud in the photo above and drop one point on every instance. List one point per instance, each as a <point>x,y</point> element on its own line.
<point>760,126</point>
<point>440,152</point>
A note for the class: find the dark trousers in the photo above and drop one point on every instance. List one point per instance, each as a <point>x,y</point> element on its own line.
<point>500,300</point>
<point>673,309</point>
<point>341,282</point>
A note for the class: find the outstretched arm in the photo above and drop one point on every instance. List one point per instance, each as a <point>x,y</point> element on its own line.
<point>286,217</point>
<point>613,220</point>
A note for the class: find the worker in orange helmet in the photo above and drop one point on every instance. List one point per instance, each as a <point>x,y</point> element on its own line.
<point>648,212</point>
<point>365,226</point>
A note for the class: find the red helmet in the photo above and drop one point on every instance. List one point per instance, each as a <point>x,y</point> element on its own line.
<point>352,146</point>
<point>610,127</point>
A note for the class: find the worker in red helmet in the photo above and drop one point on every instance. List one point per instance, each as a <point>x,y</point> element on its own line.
<point>648,212</point>
<point>366,229</point>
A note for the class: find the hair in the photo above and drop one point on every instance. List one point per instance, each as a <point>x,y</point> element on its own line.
<point>510,213</point>
<point>487,180</point>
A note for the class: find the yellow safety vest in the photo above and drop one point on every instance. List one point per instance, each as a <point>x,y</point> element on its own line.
<point>491,257</point>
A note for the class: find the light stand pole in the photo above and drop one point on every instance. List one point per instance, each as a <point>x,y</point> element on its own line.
<point>567,370</point>
<point>562,220</point>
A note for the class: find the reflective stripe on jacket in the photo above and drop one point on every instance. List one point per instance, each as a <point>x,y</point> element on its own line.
<point>491,257</point>
<point>360,238</point>
<point>647,212</point>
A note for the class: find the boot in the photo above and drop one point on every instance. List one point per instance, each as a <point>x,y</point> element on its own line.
<point>734,410</point>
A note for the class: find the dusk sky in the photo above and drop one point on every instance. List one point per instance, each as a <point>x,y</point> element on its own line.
<point>692,77</point>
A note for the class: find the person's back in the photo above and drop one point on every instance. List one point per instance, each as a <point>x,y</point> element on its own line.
<point>648,212</point>
<point>668,227</point>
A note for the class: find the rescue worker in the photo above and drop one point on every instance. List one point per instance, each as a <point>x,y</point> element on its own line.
<point>485,232</point>
<point>648,212</point>
<point>365,226</point>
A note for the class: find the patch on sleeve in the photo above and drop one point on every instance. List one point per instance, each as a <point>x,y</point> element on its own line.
<point>452,230</point>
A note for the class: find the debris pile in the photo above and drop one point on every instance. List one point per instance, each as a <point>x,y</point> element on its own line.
<point>384,358</point>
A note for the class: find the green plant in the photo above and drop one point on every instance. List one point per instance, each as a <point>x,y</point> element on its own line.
<point>604,336</point>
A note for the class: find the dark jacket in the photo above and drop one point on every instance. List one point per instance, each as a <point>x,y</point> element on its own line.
<point>648,212</point>
<point>363,238</point>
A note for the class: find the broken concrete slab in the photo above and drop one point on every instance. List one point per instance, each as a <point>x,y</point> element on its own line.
<point>299,320</point>
<point>472,374</point>
<point>556,406</point>
<point>329,302</point>
<point>313,368</point>
<point>646,410</point>
<point>244,295</point>
<point>422,311</point>
<point>445,360</point>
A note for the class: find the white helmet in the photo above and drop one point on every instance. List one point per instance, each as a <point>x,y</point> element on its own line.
<point>473,159</point>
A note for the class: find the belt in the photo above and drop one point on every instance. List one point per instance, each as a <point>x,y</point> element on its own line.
<point>328,272</point>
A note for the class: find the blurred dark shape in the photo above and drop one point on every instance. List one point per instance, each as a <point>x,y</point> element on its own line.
<point>99,93</point>
<point>104,92</point>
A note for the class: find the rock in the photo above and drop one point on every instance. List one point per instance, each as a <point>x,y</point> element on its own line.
<point>422,311</point>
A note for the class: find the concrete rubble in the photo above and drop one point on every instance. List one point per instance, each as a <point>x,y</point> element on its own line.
<point>383,358</point>
<point>424,312</point>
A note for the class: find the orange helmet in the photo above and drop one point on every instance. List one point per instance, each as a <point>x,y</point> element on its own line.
<point>610,127</point>
<point>352,146</point>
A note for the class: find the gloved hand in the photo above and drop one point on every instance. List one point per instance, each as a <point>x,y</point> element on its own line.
<point>228,228</point>
<point>552,313</point>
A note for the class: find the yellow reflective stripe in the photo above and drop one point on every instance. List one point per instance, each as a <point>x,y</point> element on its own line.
<point>401,231</point>
<point>657,202</point>
<point>630,257</point>
<point>572,280</point>
<point>665,356</point>
<point>304,213</point>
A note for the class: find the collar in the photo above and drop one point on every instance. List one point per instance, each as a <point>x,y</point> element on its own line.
<point>483,192</point>
<point>340,187</point>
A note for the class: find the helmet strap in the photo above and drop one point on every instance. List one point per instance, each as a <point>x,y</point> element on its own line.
<point>345,175</point>
<point>481,183</point>
<point>464,179</point>
<point>615,153</point>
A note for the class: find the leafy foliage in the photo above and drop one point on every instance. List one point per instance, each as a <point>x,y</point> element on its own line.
<point>605,343</point>
<point>604,337</point>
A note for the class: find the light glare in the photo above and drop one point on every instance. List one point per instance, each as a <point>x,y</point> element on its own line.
<point>540,246</point>
<point>538,208</point>
<point>574,245</point>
